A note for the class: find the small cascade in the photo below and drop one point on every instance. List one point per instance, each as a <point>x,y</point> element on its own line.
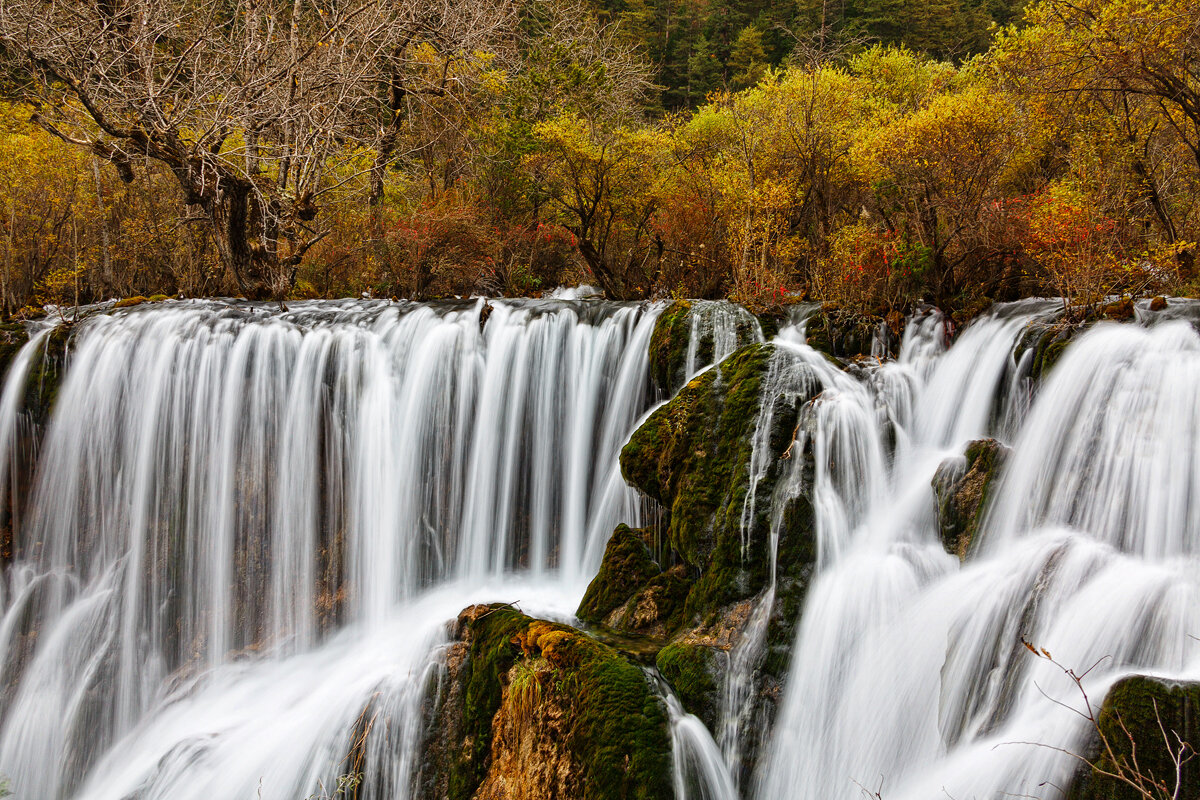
<point>699,770</point>
<point>718,327</point>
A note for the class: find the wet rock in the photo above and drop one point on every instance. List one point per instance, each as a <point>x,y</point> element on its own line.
<point>694,671</point>
<point>848,335</point>
<point>655,608</point>
<point>1120,310</point>
<point>693,455</point>
<point>1143,724</point>
<point>1043,343</point>
<point>13,336</point>
<point>532,709</point>
<point>961,487</point>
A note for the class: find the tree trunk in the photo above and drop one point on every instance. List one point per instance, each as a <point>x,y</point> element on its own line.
<point>231,211</point>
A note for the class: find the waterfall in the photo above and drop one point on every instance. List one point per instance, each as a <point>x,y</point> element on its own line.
<point>909,677</point>
<point>241,517</point>
<point>248,526</point>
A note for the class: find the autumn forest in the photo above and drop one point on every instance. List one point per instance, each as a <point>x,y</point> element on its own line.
<point>871,153</point>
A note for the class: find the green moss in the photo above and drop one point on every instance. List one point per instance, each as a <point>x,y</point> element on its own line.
<point>158,298</point>
<point>626,567</point>
<point>129,302</point>
<point>46,373</point>
<point>492,651</point>
<point>621,731</point>
<point>617,735</point>
<point>668,347</point>
<point>1048,341</point>
<point>693,456</point>
<point>1130,721</point>
<point>687,451</point>
<point>796,560</point>
<point>842,334</point>
<point>770,322</point>
<point>692,671</point>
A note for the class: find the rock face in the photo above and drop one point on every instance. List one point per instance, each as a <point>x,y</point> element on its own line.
<point>707,321</point>
<point>529,709</point>
<point>1043,343</point>
<point>961,487</point>
<point>847,335</point>
<point>631,593</point>
<point>1131,743</point>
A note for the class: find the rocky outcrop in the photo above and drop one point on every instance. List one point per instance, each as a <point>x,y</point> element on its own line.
<point>1144,724</point>
<point>693,582</point>
<point>961,487</point>
<point>692,455</point>
<point>529,709</point>
<point>707,329</point>
<point>631,593</point>
<point>1043,343</point>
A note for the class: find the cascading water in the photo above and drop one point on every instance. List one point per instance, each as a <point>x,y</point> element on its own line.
<point>909,675</point>
<point>717,328</point>
<point>248,527</point>
<point>230,564</point>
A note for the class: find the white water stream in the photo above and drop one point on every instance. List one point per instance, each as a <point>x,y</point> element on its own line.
<point>241,519</point>
<point>909,677</point>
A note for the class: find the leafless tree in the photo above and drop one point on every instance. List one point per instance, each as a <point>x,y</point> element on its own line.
<point>258,107</point>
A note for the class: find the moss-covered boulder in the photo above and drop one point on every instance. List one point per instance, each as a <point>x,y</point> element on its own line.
<point>707,321</point>
<point>532,709</point>
<point>1132,758</point>
<point>631,593</point>
<point>694,671</point>
<point>961,486</point>
<point>669,346</point>
<point>626,567</point>
<point>694,456</point>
